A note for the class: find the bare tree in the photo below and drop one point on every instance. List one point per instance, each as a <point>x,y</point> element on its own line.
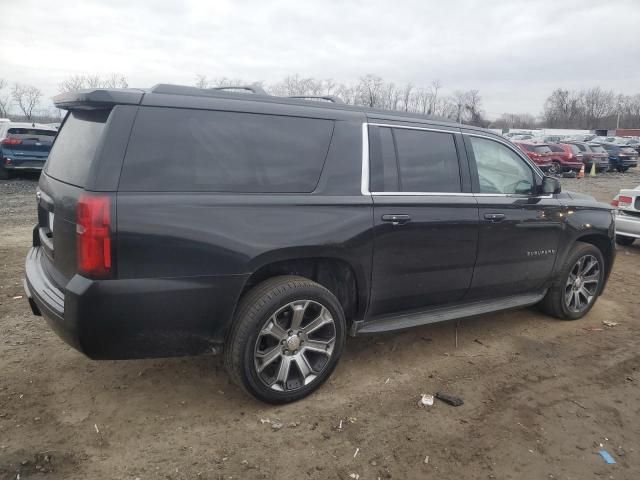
<point>202,81</point>
<point>78,82</point>
<point>370,90</point>
<point>434,88</point>
<point>4,99</point>
<point>26,97</point>
<point>406,96</point>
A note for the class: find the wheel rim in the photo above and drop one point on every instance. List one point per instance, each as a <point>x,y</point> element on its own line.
<point>555,168</point>
<point>582,283</point>
<point>294,345</point>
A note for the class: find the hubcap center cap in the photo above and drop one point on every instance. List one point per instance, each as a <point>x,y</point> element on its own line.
<point>293,342</point>
<point>578,283</point>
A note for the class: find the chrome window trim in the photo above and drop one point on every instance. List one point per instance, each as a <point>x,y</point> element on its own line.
<point>407,127</point>
<point>364,187</point>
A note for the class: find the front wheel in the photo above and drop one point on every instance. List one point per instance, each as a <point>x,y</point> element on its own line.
<point>580,282</point>
<point>624,240</point>
<point>286,339</point>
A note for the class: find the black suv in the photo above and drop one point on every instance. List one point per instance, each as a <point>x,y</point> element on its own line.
<point>178,220</point>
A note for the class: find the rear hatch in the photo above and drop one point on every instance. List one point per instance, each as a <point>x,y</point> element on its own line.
<point>61,187</point>
<point>27,147</point>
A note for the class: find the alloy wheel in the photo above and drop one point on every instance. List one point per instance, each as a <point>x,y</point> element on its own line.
<point>294,345</point>
<point>582,283</point>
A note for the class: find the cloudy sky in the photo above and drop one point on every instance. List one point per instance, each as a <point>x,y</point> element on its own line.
<point>514,52</point>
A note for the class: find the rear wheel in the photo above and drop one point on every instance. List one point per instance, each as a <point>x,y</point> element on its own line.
<point>555,168</point>
<point>624,240</point>
<point>4,173</point>
<point>579,284</point>
<point>287,337</point>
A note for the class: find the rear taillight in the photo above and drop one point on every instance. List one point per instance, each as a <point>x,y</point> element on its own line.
<point>624,201</point>
<point>93,224</point>
<point>614,202</point>
<point>11,141</point>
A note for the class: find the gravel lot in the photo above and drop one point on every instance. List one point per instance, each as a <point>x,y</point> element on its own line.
<point>540,395</point>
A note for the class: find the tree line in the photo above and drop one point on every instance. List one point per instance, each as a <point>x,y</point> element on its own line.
<point>372,91</point>
<point>583,109</point>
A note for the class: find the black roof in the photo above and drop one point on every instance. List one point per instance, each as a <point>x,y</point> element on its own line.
<point>107,97</point>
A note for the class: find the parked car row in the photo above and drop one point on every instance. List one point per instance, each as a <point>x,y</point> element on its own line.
<point>566,156</point>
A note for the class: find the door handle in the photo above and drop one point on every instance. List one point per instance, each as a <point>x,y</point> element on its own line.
<point>494,217</point>
<point>396,219</point>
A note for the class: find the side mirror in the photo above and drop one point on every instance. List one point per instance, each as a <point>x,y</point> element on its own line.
<point>550,185</point>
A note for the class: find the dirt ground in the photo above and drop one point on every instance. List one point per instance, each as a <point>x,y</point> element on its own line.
<point>541,395</point>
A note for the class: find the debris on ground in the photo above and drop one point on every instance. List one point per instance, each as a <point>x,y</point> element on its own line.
<point>276,425</point>
<point>450,399</point>
<point>95,425</point>
<point>356,454</point>
<point>426,460</point>
<point>607,457</point>
<point>608,323</point>
<point>593,329</point>
<point>293,424</point>
<point>354,475</point>
<point>425,400</point>
<point>17,297</point>
<point>265,420</point>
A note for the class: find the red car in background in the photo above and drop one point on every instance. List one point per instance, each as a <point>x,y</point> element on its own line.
<point>540,153</point>
<point>566,158</point>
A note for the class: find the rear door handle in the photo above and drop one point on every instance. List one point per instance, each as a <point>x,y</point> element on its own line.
<point>494,217</point>
<point>396,219</point>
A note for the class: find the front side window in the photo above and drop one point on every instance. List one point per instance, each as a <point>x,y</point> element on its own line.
<point>500,170</point>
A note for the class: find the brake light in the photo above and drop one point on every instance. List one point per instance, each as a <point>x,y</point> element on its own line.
<point>93,236</point>
<point>614,202</point>
<point>11,141</point>
<point>624,201</point>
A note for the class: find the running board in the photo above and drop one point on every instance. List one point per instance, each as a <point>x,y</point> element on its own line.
<point>442,314</point>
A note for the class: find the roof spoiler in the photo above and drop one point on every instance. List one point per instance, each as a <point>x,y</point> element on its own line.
<point>98,98</point>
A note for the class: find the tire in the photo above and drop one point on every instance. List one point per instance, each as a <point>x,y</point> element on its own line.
<point>4,173</point>
<point>624,240</point>
<point>561,295</point>
<point>260,344</point>
<point>555,168</point>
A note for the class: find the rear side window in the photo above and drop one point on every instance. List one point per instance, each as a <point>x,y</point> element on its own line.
<point>427,161</point>
<point>574,149</point>
<point>555,148</point>
<point>540,149</point>
<point>384,168</point>
<point>201,150</point>
<point>580,147</point>
<point>75,146</point>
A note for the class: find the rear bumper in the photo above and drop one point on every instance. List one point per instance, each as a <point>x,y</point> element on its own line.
<point>627,225</point>
<point>137,318</point>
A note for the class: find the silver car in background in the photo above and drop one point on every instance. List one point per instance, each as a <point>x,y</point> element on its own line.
<point>627,203</point>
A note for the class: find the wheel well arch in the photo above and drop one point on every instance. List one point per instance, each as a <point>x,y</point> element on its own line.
<point>336,275</point>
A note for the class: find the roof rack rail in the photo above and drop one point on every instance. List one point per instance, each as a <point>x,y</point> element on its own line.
<point>328,98</point>
<point>255,88</point>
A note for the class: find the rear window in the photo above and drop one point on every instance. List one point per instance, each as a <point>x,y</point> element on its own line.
<point>32,134</point>
<point>538,148</point>
<point>75,146</point>
<point>597,149</point>
<point>555,148</point>
<point>200,150</point>
<point>580,147</point>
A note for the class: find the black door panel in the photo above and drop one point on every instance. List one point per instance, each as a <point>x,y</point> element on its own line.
<point>427,260</point>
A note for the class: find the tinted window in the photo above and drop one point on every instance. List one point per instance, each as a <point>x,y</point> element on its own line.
<point>428,161</point>
<point>75,146</point>
<point>541,149</point>
<point>580,147</point>
<point>32,134</point>
<point>597,149</point>
<point>384,169</point>
<point>500,170</point>
<point>555,148</point>
<point>199,150</point>
<point>574,149</point>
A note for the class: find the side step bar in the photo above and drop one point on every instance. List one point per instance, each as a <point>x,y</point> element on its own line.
<point>442,314</point>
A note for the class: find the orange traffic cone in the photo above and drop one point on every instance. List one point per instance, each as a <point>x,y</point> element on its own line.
<point>581,172</point>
